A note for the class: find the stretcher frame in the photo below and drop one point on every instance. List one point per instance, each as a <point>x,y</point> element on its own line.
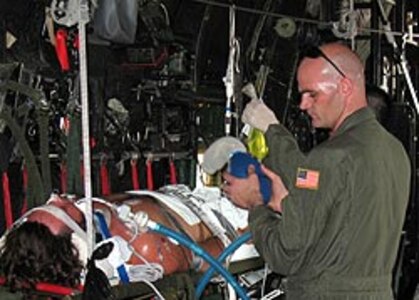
<point>180,285</point>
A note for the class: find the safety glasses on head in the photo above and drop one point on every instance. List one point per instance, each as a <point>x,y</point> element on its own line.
<point>316,52</point>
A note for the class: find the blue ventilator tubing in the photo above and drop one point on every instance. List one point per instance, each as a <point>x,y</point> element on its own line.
<point>226,253</point>
<point>122,272</point>
<point>183,240</point>
<point>238,166</point>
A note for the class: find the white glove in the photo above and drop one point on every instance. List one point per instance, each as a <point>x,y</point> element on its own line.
<point>258,115</point>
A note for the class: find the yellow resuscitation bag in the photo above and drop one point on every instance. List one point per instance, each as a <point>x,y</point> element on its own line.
<point>256,144</point>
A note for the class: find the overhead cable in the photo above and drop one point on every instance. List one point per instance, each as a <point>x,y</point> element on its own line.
<point>298,19</point>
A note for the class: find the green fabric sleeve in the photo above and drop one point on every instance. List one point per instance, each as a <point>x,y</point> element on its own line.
<point>284,241</point>
<point>284,154</point>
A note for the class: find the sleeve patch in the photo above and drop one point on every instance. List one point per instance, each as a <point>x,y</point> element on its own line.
<point>307,179</point>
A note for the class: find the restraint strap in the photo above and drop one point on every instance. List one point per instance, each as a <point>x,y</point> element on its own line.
<point>122,272</point>
<point>64,217</point>
<point>186,198</point>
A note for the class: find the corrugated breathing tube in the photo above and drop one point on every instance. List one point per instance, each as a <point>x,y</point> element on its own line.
<point>185,241</point>
<point>227,252</point>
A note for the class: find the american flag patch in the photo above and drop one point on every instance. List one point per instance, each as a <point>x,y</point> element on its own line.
<point>307,179</point>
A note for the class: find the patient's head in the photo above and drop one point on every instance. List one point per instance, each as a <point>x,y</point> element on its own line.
<point>33,253</point>
<point>54,223</point>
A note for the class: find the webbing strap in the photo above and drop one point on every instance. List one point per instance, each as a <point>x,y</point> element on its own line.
<point>74,185</point>
<point>55,289</point>
<point>25,188</point>
<point>192,173</point>
<point>63,177</point>
<point>172,168</point>
<point>134,175</point>
<point>44,150</point>
<point>42,108</point>
<point>122,272</point>
<point>36,95</point>
<point>150,179</point>
<point>8,213</point>
<point>186,198</point>
<point>104,178</point>
<point>64,217</point>
<point>35,191</point>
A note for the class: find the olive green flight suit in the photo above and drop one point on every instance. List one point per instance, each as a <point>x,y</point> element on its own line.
<point>340,227</point>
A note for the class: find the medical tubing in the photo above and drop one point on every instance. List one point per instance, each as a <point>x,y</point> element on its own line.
<point>226,253</point>
<point>181,239</point>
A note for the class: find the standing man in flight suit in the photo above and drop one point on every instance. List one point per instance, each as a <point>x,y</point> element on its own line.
<point>335,218</point>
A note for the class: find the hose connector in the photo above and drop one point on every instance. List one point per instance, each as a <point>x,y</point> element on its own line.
<point>141,219</point>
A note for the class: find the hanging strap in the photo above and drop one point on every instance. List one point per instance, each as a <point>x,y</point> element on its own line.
<point>42,108</point>
<point>172,167</point>
<point>43,115</point>
<point>134,174</point>
<point>63,177</point>
<point>74,185</point>
<point>35,191</point>
<point>150,180</point>
<point>8,214</point>
<point>25,189</point>
<point>104,177</point>
<point>192,173</point>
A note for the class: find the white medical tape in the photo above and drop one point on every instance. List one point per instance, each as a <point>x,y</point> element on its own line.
<point>64,217</point>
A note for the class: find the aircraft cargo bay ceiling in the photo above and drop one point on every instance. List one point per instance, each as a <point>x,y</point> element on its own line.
<point>161,75</point>
<point>181,48</point>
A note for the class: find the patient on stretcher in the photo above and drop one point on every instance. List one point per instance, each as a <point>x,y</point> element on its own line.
<point>49,243</point>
